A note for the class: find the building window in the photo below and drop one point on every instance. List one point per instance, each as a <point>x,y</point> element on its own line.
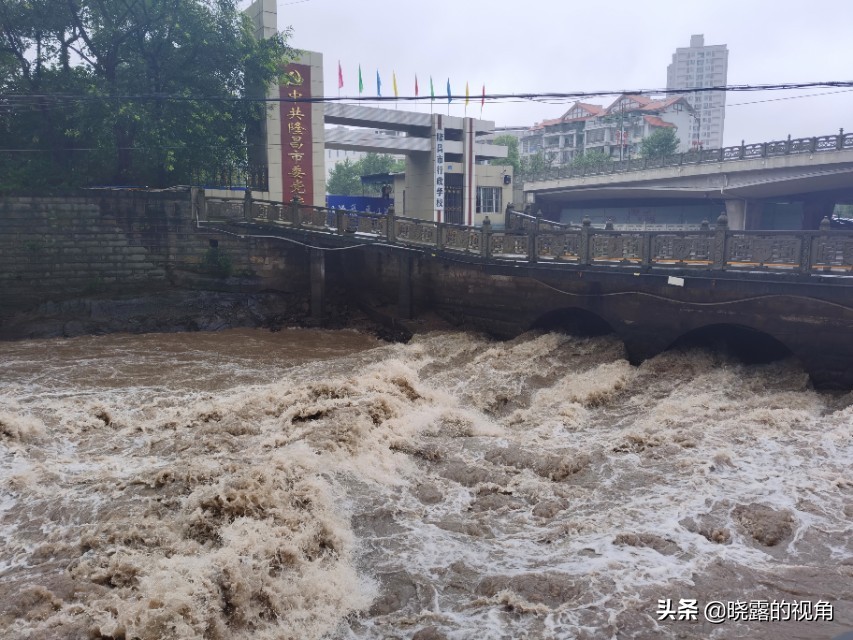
<point>595,135</point>
<point>488,199</point>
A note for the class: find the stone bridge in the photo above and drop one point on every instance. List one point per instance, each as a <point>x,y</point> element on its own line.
<point>767,292</point>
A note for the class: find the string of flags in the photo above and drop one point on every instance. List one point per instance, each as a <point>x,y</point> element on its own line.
<point>396,89</point>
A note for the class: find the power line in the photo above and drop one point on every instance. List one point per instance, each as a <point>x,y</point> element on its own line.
<point>810,95</point>
<point>23,99</point>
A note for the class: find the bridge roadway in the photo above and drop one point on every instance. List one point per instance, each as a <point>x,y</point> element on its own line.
<point>791,289</point>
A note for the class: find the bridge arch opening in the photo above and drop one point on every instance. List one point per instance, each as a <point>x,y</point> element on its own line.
<point>740,342</point>
<point>574,321</point>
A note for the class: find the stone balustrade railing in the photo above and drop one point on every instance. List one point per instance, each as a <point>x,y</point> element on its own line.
<point>536,240</point>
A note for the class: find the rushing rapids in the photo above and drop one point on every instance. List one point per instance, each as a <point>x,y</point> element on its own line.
<point>309,484</point>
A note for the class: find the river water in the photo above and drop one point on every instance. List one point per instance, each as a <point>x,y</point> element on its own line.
<point>308,484</point>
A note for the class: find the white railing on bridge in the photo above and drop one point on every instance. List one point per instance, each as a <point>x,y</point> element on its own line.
<point>819,144</point>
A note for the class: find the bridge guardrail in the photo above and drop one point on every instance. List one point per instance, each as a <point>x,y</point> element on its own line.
<point>816,144</point>
<point>533,239</point>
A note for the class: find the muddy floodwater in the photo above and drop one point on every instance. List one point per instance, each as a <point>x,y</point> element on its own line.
<point>320,484</point>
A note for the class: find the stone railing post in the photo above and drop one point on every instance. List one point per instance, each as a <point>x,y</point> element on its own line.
<point>199,203</point>
<point>295,213</point>
<point>720,242</point>
<point>390,217</point>
<point>341,221</point>
<point>821,237</point>
<point>508,216</point>
<point>586,231</point>
<point>391,231</point>
<point>247,204</point>
<point>440,232</point>
<point>839,142</point>
<point>646,258</point>
<point>532,232</point>
<point>486,238</point>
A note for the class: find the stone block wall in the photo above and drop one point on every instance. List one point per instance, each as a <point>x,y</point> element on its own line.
<point>90,243</point>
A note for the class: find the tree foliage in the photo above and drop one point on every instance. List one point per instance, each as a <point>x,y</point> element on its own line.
<point>662,142</point>
<point>512,157</point>
<point>128,91</point>
<point>592,158</point>
<point>345,177</point>
<point>532,164</point>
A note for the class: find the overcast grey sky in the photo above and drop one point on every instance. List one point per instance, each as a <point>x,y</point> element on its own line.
<point>567,45</point>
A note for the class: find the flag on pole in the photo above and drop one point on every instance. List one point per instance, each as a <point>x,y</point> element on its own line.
<point>416,85</point>
<point>394,82</point>
<point>360,81</point>
<point>378,84</point>
<point>431,90</point>
<point>449,97</point>
<point>466,93</point>
<point>483,99</point>
<point>340,76</point>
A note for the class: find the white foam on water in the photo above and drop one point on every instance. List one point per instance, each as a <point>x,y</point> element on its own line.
<point>539,487</point>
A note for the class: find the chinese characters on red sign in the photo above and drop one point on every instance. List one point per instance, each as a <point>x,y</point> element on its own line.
<point>297,159</point>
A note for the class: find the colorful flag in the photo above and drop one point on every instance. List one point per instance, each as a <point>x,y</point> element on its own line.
<point>340,76</point>
<point>378,84</point>
<point>466,93</point>
<point>416,85</point>
<point>360,81</point>
<point>449,97</point>
<point>431,90</point>
<point>394,82</point>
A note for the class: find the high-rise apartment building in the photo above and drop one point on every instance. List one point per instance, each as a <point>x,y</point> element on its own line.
<point>696,67</point>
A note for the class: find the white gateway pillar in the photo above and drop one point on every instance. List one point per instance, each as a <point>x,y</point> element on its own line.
<point>469,181</point>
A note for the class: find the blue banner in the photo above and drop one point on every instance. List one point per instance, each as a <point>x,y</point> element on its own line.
<point>368,204</point>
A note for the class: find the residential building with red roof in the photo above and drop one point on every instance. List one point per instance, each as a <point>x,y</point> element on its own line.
<point>615,130</point>
<point>618,131</point>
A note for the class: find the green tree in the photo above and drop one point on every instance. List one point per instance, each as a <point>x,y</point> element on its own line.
<point>662,142</point>
<point>373,163</point>
<point>345,177</point>
<point>535,163</point>
<point>512,157</point>
<point>142,92</point>
<point>592,158</point>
